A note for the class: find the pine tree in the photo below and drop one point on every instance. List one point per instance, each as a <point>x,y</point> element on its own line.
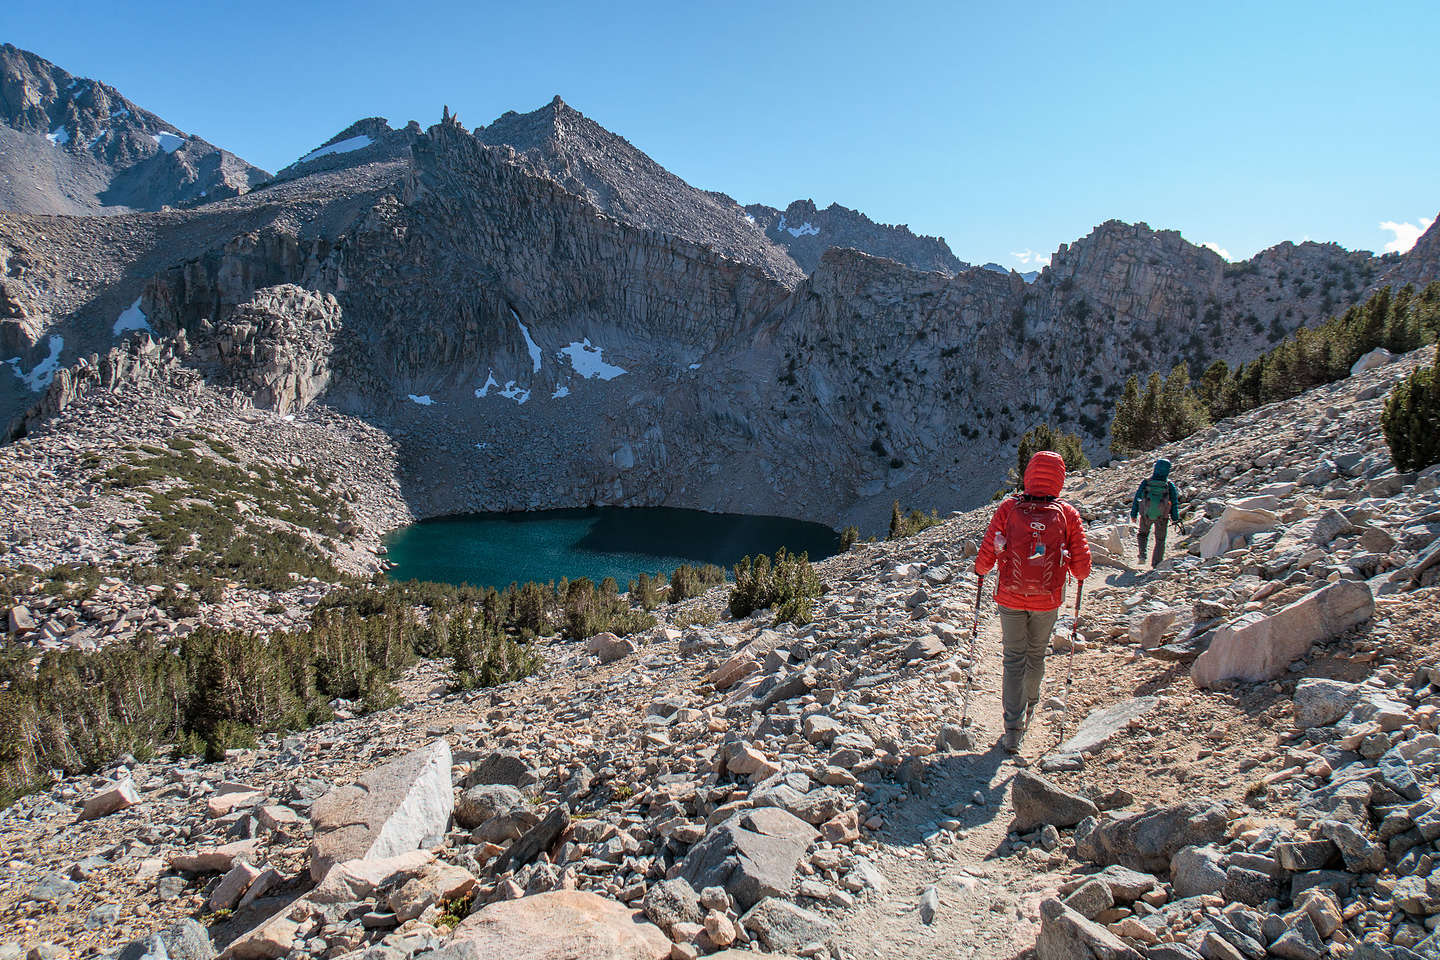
<point>1411,420</point>
<point>1044,437</point>
<point>1123,426</point>
<point>897,521</point>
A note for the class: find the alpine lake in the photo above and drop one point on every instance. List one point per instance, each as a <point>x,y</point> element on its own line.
<point>497,549</point>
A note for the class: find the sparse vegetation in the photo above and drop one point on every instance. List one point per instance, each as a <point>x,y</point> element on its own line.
<point>214,690</point>
<point>1398,321</point>
<point>904,524</point>
<point>1044,437</point>
<point>787,584</point>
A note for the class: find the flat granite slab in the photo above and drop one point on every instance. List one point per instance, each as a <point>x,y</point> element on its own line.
<point>1101,725</point>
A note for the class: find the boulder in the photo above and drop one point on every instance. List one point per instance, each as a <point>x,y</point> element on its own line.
<point>673,901</point>
<point>1037,802</point>
<point>112,797</point>
<point>1147,630</point>
<point>732,671</point>
<point>233,885</point>
<point>1378,357</point>
<point>436,883</point>
<point>753,855</point>
<point>1235,521</point>
<point>1195,871</point>
<point>1259,647</point>
<point>480,803</point>
<point>1320,702</point>
<point>1090,899</point>
<point>390,810</point>
<point>781,926</point>
<point>1066,935</point>
<point>217,859</point>
<point>609,648</point>
<point>560,925</point>
<point>356,880</point>
<point>502,767</point>
<point>273,937</point>
<point>186,940</point>
<point>1149,839</point>
<point>536,840</point>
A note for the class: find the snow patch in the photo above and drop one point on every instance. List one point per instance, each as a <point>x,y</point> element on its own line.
<point>481,445</point>
<point>424,399</point>
<point>560,391</point>
<point>806,229</point>
<point>530,344</point>
<point>167,141</point>
<point>117,114</point>
<point>694,366</point>
<point>132,318</point>
<point>343,146</point>
<point>588,361</point>
<point>490,381</point>
<point>59,136</point>
<point>43,372</point>
<point>515,392</point>
<point>511,391</point>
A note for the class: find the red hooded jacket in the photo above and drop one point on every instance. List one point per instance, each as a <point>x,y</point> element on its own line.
<point>1044,477</point>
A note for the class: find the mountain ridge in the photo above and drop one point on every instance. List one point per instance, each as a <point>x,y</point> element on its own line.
<point>78,146</point>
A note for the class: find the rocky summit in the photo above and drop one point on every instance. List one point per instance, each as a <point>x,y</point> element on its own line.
<point>73,145</point>
<point>224,733</point>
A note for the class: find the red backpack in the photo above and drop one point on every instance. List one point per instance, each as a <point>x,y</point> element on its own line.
<point>1033,563</point>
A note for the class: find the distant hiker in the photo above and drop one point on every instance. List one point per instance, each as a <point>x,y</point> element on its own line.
<point>1156,504</point>
<point>1034,539</point>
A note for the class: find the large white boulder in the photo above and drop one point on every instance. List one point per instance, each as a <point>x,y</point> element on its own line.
<point>1375,358</point>
<point>561,925</point>
<point>389,811</point>
<point>1235,522</point>
<point>1260,647</point>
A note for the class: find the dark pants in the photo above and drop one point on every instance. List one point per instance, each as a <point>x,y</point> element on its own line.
<point>1026,635</point>
<point>1161,525</point>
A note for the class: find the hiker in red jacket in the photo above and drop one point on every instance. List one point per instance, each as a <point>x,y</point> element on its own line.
<point>1034,538</point>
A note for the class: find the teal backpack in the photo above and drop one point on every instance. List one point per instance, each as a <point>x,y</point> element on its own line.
<point>1157,498</point>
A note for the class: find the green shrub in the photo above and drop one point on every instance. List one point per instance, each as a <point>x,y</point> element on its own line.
<point>848,536</point>
<point>1044,437</point>
<point>1411,420</point>
<point>904,524</point>
<point>687,581</point>
<point>787,583</point>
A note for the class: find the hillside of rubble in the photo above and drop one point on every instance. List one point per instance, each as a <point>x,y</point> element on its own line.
<point>1245,763</point>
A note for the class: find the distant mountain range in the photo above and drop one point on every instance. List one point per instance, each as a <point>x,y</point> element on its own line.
<point>540,315</point>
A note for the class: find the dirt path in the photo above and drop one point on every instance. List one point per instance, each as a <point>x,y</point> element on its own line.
<point>953,835</point>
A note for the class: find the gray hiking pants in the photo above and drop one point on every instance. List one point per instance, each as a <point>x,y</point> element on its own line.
<point>1161,525</point>
<point>1026,635</point>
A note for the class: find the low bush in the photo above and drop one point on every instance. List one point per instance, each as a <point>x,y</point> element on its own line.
<point>687,581</point>
<point>904,524</point>
<point>787,584</point>
<point>1411,420</point>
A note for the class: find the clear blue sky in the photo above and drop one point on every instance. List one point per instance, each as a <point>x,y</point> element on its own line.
<point>1002,127</point>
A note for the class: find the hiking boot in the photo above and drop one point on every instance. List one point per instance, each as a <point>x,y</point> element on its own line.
<point>1010,743</point>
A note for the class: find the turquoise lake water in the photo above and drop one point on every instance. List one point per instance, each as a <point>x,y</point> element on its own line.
<point>497,549</point>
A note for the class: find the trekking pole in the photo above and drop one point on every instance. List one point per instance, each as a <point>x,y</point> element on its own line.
<point>1070,662</point>
<point>974,648</point>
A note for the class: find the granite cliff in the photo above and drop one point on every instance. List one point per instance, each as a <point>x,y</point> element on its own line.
<point>470,292</point>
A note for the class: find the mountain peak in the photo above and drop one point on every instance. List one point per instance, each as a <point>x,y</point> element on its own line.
<point>79,146</point>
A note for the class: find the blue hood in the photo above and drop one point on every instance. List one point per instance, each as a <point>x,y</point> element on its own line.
<point>1162,469</point>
